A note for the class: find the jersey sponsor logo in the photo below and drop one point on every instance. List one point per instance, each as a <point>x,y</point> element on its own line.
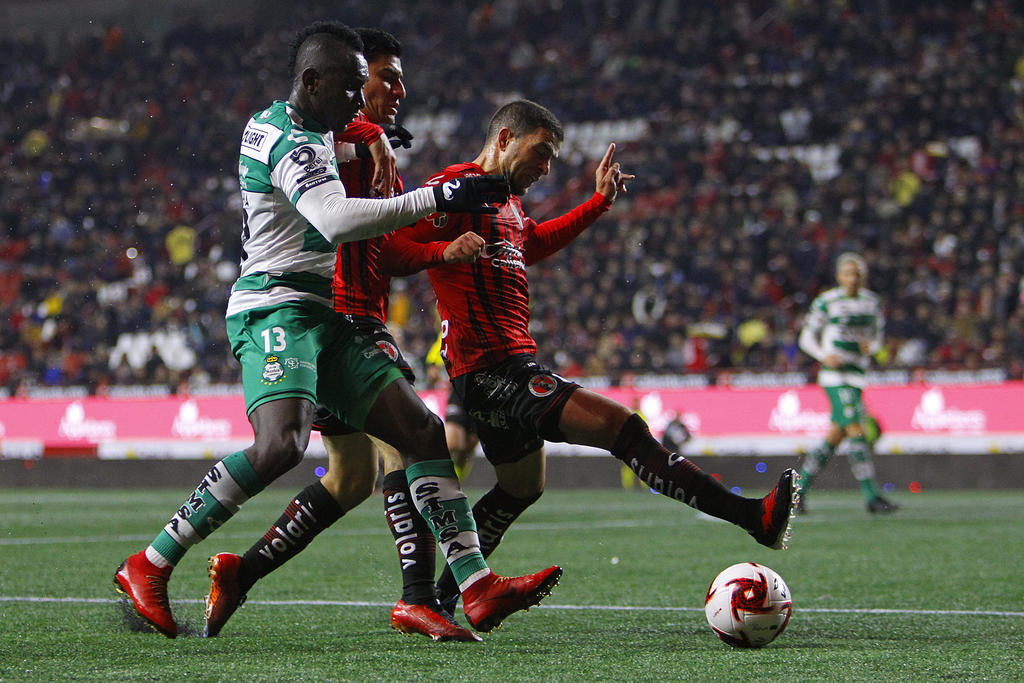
<point>493,418</point>
<point>312,159</point>
<point>309,182</point>
<point>542,386</point>
<point>315,164</point>
<point>503,254</point>
<point>496,387</point>
<point>253,139</point>
<point>257,139</point>
<point>273,371</point>
<point>296,363</point>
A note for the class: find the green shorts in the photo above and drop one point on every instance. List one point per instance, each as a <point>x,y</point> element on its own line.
<point>303,349</point>
<point>847,406</point>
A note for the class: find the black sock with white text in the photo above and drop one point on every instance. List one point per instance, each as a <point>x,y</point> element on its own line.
<point>308,513</point>
<point>672,475</point>
<point>415,542</point>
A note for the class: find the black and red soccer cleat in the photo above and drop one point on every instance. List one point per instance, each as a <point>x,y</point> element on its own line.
<point>145,585</point>
<point>773,526</point>
<point>489,600</point>
<point>226,593</point>
<point>430,622</point>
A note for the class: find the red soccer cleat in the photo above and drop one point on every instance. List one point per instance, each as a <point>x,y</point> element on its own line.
<point>146,585</point>
<point>772,527</point>
<point>422,619</point>
<point>226,593</point>
<point>492,598</point>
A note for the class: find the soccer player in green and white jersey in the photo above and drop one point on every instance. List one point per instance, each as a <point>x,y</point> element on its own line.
<point>286,336</point>
<point>842,330</point>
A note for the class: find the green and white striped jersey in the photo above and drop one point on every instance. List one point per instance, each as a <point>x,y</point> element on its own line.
<point>284,257</point>
<point>837,323</point>
<point>295,211</point>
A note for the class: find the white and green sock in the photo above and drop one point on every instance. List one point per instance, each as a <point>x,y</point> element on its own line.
<point>440,500</point>
<point>863,468</point>
<point>814,463</point>
<point>227,485</point>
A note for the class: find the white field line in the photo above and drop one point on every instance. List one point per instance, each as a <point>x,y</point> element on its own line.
<point>375,531</point>
<point>579,608</point>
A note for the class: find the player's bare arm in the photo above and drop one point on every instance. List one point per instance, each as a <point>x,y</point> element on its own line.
<point>385,167</point>
<point>609,176</point>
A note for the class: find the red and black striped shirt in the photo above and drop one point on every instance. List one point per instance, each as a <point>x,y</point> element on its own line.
<point>485,305</point>
<point>363,269</point>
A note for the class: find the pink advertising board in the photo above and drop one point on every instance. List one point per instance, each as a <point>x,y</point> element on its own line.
<point>984,416</point>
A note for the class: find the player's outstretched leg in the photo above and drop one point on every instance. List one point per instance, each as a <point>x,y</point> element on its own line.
<point>487,598</point>
<point>418,611</point>
<point>672,475</point>
<point>145,585</point>
<point>777,509</point>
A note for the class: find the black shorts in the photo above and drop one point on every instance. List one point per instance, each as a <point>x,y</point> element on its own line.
<point>456,414</point>
<point>329,424</point>
<point>516,406</point>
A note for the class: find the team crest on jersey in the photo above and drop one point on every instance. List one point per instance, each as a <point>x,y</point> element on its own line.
<point>273,371</point>
<point>542,385</point>
<point>389,349</point>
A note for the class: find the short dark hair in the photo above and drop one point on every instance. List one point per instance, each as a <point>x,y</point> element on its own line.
<point>378,43</point>
<point>317,35</point>
<point>522,117</point>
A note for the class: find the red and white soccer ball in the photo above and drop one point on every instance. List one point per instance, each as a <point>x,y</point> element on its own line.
<point>748,605</point>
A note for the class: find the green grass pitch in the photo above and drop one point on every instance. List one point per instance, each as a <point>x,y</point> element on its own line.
<point>933,592</point>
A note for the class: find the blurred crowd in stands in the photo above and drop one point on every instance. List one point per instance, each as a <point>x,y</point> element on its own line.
<point>767,138</point>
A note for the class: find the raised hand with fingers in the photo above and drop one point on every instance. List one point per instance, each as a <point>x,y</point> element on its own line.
<point>609,176</point>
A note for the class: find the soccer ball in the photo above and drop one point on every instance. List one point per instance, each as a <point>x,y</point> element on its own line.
<point>748,605</point>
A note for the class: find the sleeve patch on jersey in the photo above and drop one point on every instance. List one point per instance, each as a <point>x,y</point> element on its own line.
<point>258,139</point>
<point>315,165</point>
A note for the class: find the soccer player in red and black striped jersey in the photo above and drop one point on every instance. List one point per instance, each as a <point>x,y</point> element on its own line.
<point>516,402</point>
<point>361,285</point>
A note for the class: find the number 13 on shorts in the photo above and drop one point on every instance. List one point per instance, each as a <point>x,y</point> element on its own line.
<point>273,339</point>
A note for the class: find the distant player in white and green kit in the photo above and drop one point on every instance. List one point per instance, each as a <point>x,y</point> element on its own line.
<point>295,350</point>
<point>842,330</point>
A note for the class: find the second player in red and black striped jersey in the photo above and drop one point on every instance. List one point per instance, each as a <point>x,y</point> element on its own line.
<point>485,305</point>
<point>363,269</point>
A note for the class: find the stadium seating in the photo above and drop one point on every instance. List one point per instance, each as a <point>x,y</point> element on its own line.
<point>766,139</point>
